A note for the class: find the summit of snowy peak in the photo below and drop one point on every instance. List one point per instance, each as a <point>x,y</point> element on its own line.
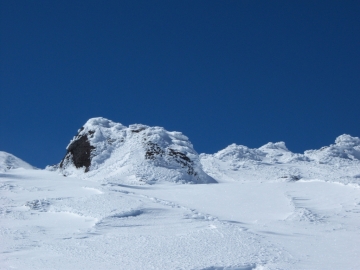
<point>279,153</point>
<point>101,124</point>
<point>345,149</point>
<point>347,141</point>
<point>274,146</point>
<point>268,153</point>
<point>105,149</point>
<point>239,152</point>
<point>9,161</point>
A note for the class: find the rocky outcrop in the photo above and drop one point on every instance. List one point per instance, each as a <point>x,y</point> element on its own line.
<point>79,152</point>
<point>104,149</point>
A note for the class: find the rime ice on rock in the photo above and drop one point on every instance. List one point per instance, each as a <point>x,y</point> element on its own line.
<point>107,150</point>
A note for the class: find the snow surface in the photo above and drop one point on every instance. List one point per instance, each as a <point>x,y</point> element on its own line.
<point>270,209</point>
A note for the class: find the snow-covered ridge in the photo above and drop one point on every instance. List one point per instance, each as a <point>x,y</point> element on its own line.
<point>9,161</point>
<point>275,162</point>
<point>265,197</point>
<point>108,150</point>
<point>271,153</point>
<point>345,147</point>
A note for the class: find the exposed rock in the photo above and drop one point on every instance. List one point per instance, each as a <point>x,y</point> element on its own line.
<point>153,150</point>
<point>183,160</point>
<point>79,152</point>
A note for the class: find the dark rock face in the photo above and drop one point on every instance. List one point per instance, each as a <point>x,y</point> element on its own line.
<point>153,150</point>
<point>183,160</point>
<point>78,153</point>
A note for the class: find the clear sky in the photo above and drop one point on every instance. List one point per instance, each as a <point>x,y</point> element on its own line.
<point>221,72</point>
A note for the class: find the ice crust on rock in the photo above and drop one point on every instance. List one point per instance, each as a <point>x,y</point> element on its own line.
<point>108,150</point>
<point>9,161</point>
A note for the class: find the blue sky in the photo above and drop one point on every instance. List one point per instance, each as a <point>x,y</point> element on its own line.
<point>221,72</point>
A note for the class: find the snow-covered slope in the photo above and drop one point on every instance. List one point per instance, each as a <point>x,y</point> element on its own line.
<point>9,161</point>
<point>275,162</point>
<point>271,209</point>
<point>103,149</point>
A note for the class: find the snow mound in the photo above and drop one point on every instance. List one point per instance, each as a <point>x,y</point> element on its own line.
<point>279,153</point>
<point>9,161</point>
<point>345,149</point>
<point>239,152</point>
<point>269,153</point>
<point>106,150</point>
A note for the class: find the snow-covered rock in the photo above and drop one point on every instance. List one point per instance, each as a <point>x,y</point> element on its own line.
<point>9,161</point>
<point>106,150</point>
<point>345,149</point>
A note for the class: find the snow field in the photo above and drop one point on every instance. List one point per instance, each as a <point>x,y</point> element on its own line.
<point>306,224</point>
<point>143,203</point>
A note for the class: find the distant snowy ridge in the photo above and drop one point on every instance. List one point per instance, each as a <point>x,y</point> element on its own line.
<point>107,150</point>
<point>345,148</point>
<point>269,153</point>
<point>274,162</point>
<point>9,161</point>
<point>111,152</point>
<point>137,154</point>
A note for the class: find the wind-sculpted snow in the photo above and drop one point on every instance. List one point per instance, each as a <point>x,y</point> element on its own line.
<point>48,221</point>
<point>240,153</point>
<point>104,149</point>
<point>9,161</point>
<point>271,209</point>
<point>346,149</point>
<point>275,162</point>
<point>269,153</point>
